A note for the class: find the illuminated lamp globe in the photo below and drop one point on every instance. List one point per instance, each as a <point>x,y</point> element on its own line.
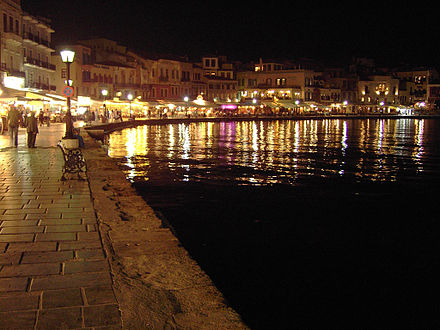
<point>67,56</point>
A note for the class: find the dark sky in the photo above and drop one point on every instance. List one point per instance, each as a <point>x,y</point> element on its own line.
<point>385,32</point>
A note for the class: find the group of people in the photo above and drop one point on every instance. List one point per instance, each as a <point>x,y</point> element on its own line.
<point>107,115</point>
<point>15,120</point>
<point>43,118</point>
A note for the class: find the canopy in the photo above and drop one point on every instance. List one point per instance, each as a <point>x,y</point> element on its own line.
<point>287,103</point>
<point>270,104</point>
<point>10,93</point>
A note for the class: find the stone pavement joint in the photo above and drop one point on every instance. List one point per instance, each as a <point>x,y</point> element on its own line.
<point>53,269</point>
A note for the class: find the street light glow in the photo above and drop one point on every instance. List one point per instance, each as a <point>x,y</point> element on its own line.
<point>67,56</point>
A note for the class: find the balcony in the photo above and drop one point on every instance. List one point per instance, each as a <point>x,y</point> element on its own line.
<point>41,86</point>
<point>30,38</point>
<point>35,40</point>
<point>12,38</point>
<point>129,85</point>
<point>45,44</point>
<point>32,62</point>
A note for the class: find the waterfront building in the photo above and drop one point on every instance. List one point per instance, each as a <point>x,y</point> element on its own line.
<point>25,49</point>
<point>433,95</point>
<point>37,49</point>
<point>191,81</point>
<point>419,79</point>
<point>273,81</point>
<point>11,44</point>
<point>220,78</point>
<point>379,93</point>
<point>165,80</point>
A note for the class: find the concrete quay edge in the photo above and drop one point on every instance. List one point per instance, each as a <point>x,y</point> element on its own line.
<point>156,282</point>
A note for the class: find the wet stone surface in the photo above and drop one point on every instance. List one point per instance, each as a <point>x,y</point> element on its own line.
<point>48,247</point>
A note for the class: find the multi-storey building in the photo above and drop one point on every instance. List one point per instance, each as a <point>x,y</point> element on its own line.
<point>191,83</point>
<point>220,78</point>
<point>379,92</point>
<point>418,80</point>
<point>25,49</point>
<point>37,49</point>
<point>11,43</point>
<point>270,80</point>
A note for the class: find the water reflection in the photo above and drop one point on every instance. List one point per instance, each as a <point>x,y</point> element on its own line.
<point>273,152</point>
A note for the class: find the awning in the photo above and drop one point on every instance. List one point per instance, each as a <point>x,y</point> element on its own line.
<point>287,103</point>
<point>270,104</point>
<point>8,93</point>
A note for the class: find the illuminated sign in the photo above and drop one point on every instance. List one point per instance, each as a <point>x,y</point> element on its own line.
<point>84,101</point>
<point>13,82</point>
<point>228,106</point>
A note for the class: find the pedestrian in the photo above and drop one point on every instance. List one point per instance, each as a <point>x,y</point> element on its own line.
<point>32,130</point>
<point>14,119</point>
<point>41,117</point>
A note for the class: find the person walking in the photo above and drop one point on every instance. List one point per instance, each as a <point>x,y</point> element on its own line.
<point>14,119</point>
<point>41,117</point>
<point>32,130</point>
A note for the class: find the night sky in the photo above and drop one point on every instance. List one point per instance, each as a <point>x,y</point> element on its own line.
<point>333,34</point>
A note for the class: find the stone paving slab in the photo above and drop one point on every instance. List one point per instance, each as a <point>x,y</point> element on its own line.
<point>53,269</point>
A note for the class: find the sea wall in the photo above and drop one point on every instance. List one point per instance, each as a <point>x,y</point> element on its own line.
<point>157,284</point>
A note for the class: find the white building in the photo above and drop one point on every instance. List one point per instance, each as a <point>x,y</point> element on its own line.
<point>25,49</point>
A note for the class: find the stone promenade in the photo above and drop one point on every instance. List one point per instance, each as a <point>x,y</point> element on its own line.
<point>53,269</point>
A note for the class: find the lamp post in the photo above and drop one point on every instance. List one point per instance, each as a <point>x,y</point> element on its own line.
<point>186,99</point>
<point>67,56</point>
<point>130,98</point>
<point>104,93</point>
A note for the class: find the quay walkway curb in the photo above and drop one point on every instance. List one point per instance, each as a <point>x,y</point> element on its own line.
<point>157,284</point>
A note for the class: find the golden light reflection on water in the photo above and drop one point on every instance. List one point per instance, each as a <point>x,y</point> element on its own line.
<point>265,152</point>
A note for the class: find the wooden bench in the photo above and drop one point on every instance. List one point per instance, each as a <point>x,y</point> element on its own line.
<point>74,163</point>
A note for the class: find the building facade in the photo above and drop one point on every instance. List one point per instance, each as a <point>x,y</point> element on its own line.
<point>25,49</point>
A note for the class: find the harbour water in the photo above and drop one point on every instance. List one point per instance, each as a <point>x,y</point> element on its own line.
<point>300,223</point>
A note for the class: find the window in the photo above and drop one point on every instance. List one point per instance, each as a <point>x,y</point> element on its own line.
<point>281,81</point>
<point>5,23</point>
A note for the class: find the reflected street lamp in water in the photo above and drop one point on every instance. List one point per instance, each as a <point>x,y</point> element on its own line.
<point>67,56</point>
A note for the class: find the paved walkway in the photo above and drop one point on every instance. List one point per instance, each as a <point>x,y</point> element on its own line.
<point>53,269</point>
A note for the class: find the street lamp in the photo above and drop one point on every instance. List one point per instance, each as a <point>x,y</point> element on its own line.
<point>104,93</point>
<point>130,98</point>
<point>186,99</point>
<point>67,56</point>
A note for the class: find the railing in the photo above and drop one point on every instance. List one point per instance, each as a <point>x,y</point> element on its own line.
<point>41,86</point>
<point>39,63</point>
<point>129,85</point>
<point>35,38</point>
